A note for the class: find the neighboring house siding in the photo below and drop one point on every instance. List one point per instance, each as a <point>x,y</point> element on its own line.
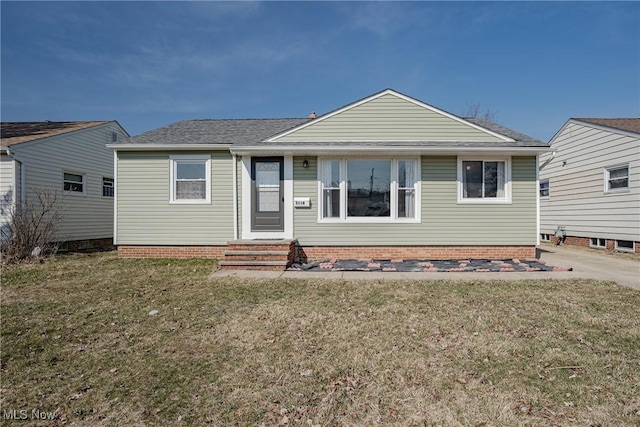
<point>577,199</point>
<point>444,221</point>
<point>7,190</point>
<point>391,118</point>
<point>88,216</point>
<point>145,216</point>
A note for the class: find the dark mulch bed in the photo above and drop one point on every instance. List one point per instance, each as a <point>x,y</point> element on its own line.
<point>441,266</point>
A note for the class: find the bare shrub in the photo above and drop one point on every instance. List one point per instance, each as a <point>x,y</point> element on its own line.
<point>31,227</point>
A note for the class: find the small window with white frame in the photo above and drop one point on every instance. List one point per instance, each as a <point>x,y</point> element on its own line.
<point>616,179</point>
<point>596,242</point>
<point>544,237</point>
<point>107,187</point>
<point>484,180</point>
<point>74,183</point>
<point>190,177</point>
<point>544,188</point>
<point>625,245</point>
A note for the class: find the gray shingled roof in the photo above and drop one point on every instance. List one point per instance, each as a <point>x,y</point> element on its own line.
<point>253,132</point>
<point>215,132</point>
<point>519,137</point>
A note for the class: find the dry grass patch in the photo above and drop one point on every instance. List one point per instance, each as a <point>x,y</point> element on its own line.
<point>77,339</point>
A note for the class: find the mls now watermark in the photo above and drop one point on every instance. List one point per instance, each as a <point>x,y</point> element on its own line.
<point>24,414</point>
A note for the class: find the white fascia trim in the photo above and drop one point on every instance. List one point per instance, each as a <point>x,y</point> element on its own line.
<point>246,203</point>
<point>407,150</point>
<point>603,128</point>
<point>161,147</point>
<point>399,95</point>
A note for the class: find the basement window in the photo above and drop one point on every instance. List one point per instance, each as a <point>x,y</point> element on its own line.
<point>625,246</point>
<point>598,243</point>
<point>545,237</point>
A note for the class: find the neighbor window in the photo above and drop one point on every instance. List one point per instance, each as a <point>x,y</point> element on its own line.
<point>617,178</point>
<point>625,246</point>
<point>544,188</point>
<point>107,187</point>
<point>114,137</point>
<point>368,190</point>
<point>190,179</point>
<point>74,183</point>
<point>596,242</point>
<point>484,180</point>
<point>545,237</point>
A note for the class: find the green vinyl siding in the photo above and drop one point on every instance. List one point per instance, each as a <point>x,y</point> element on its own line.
<point>444,221</point>
<point>146,217</point>
<point>389,118</point>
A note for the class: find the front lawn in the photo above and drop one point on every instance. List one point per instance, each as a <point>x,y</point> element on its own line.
<point>78,340</point>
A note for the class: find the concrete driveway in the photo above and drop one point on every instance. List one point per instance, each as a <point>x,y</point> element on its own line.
<point>593,264</point>
<point>586,264</point>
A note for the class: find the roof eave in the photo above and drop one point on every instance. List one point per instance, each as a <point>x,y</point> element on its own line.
<point>316,150</point>
<point>165,147</point>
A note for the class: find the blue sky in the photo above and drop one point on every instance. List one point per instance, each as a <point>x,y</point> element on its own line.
<point>149,64</point>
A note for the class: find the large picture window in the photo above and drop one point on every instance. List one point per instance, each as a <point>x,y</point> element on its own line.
<point>369,190</point>
<point>190,179</point>
<point>483,180</point>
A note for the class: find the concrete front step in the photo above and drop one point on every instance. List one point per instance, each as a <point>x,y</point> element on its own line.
<point>254,265</point>
<point>276,254</point>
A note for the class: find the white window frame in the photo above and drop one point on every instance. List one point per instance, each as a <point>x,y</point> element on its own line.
<point>548,189</point>
<point>545,237</point>
<point>632,249</point>
<point>607,179</point>
<point>394,187</point>
<point>173,162</point>
<point>597,244</point>
<point>84,183</point>
<point>485,200</point>
<point>113,186</point>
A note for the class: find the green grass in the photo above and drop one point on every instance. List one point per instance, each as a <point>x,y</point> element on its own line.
<point>77,339</point>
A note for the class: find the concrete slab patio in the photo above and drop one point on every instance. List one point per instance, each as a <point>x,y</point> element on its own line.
<point>586,264</point>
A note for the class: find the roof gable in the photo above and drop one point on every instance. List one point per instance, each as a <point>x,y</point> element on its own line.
<point>391,117</point>
<point>626,124</point>
<point>18,132</point>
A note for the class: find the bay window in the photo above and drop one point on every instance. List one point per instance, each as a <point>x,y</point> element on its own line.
<point>368,190</point>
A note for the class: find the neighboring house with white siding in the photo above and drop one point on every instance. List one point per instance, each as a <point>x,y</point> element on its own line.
<point>386,176</point>
<point>590,184</point>
<point>70,158</point>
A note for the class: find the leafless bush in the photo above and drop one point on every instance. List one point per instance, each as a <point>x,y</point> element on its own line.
<point>31,227</point>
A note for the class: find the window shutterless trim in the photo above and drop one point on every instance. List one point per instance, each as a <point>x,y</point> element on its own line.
<point>393,218</point>
<point>485,200</point>
<point>607,179</point>
<point>173,162</point>
<point>82,175</point>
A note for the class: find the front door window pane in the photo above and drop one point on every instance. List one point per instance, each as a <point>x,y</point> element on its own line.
<point>368,188</point>
<point>268,186</point>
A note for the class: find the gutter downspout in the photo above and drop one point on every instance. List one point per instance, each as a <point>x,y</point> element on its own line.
<point>235,196</point>
<point>546,162</point>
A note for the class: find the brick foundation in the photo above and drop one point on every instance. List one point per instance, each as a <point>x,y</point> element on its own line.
<point>305,253</point>
<point>585,242</point>
<point>125,251</point>
<point>415,252</point>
